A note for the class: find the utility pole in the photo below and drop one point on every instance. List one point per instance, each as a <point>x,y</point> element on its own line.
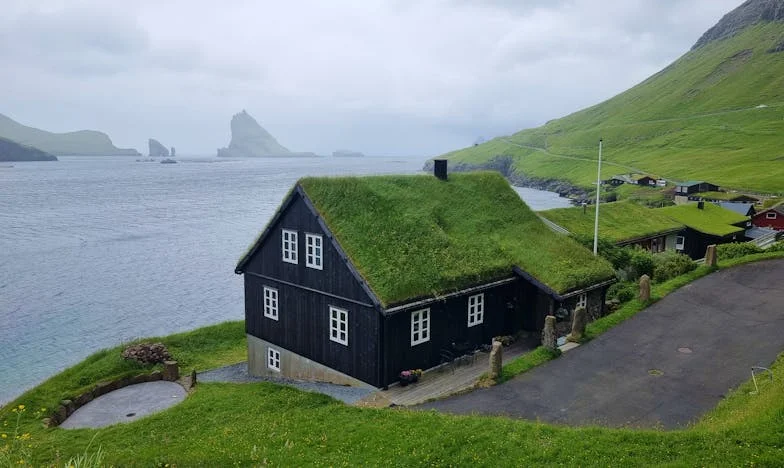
<point>598,188</point>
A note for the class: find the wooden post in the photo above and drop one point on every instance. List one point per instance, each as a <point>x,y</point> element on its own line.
<point>710,256</point>
<point>645,288</point>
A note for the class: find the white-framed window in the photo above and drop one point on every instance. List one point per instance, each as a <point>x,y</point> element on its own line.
<point>680,241</point>
<point>273,359</point>
<point>582,301</point>
<point>313,251</point>
<point>289,246</point>
<point>271,303</point>
<point>338,325</point>
<point>770,215</point>
<point>476,309</point>
<point>420,326</point>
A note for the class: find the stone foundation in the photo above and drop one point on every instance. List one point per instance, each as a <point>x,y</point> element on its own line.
<point>293,366</point>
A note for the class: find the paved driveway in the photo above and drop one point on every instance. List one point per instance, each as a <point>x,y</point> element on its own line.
<point>665,367</point>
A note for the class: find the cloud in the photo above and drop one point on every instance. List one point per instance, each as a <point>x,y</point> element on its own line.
<point>381,76</point>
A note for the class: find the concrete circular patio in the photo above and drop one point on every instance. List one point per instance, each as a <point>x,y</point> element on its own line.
<point>126,404</point>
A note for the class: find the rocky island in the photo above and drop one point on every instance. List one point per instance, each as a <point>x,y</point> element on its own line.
<point>250,140</point>
<point>347,154</point>
<point>12,151</point>
<point>82,143</point>
<point>157,150</point>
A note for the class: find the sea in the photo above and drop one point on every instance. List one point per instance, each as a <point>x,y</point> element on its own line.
<point>97,251</point>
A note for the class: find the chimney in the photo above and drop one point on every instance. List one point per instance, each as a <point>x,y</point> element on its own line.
<point>700,205</point>
<point>439,168</point>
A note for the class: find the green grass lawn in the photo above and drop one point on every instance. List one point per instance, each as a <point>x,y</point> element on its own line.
<point>262,423</point>
<point>618,221</point>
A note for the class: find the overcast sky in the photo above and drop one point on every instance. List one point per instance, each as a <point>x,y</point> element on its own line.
<point>391,77</point>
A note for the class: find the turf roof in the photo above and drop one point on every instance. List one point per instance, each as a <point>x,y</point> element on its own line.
<point>712,219</point>
<point>618,222</point>
<point>415,236</point>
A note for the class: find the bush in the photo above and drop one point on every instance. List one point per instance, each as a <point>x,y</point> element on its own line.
<point>641,263</point>
<point>618,256</point>
<point>736,250</point>
<point>670,264</point>
<point>777,247</point>
<point>147,353</point>
<point>624,292</point>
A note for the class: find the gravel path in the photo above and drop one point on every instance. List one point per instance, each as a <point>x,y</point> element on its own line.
<point>238,373</point>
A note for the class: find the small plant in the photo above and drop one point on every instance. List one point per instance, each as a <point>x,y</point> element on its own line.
<point>147,353</point>
<point>410,376</point>
<point>15,447</point>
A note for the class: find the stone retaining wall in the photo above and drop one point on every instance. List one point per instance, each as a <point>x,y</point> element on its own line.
<point>67,407</point>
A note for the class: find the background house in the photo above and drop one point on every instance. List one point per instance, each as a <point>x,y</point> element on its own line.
<point>358,278</point>
<point>706,224</point>
<point>624,223</point>
<point>694,186</point>
<point>772,218</point>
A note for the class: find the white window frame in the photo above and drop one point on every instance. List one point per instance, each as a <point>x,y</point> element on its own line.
<point>270,303</point>
<point>769,213</point>
<point>420,326</point>
<point>273,359</point>
<point>476,309</point>
<point>680,242</point>
<point>338,325</point>
<point>288,239</point>
<point>582,302</point>
<point>314,251</point>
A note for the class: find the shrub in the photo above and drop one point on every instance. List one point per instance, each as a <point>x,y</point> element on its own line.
<point>624,292</point>
<point>736,250</point>
<point>777,247</point>
<point>670,264</point>
<point>641,263</point>
<point>147,353</point>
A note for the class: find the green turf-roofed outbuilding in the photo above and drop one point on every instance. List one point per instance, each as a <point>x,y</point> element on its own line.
<point>619,222</point>
<point>710,219</point>
<point>414,236</point>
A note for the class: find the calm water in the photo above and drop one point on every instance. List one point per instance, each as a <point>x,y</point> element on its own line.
<point>97,251</point>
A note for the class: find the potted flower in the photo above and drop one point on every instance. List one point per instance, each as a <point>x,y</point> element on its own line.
<point>410,376</point>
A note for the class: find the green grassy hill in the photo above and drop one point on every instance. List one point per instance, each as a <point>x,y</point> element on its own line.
<point>715,114</point>
<point>83,142</point>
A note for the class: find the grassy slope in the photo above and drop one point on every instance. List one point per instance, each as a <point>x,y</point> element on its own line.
<point>618,221</point>
<point>445,235</point>
<point>711,219</point>
<point>697,119</point>
<point>84,142</point>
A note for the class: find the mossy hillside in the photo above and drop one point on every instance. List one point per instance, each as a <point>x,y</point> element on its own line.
<point>711,219</point>
<point>618,221</point>
<point>696,119</point>
<point>412,236</point>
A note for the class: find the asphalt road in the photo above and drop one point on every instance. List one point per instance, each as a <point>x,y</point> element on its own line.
<point>665,367</point>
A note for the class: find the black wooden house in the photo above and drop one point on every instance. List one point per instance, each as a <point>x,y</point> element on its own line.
<point>706,224</point>
<point>355,279</point>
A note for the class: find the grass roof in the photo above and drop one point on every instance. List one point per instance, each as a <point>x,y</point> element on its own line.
<point>712,219</point>
<point>618,222</point>
<point>724,195</point>
<point>414,236</point>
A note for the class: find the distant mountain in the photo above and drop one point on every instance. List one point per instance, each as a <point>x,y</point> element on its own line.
<point>83,142</point>
<point>249,139</point>
<point>13,151</point>
<point>715,114</point>
<point>157,149</point>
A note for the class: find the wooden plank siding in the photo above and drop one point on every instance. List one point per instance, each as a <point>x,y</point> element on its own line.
<point>303,327</point>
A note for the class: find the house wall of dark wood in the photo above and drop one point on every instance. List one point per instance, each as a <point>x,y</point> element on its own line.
<point>303,327</point>
<point>335,278</point>
<point>504,308</point>
<point>695,242</point>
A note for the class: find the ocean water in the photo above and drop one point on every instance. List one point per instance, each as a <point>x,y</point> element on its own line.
<point>95,251</point>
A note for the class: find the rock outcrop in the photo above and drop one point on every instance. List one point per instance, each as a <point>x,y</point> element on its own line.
<point>82,143</point>
<point>249,140</point>
<point>748,14</point>
<point>157,150</point>
<point>13,151</point>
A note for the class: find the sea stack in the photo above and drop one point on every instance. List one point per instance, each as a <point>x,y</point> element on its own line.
<point>157,150</point>
<point>249,140</point>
